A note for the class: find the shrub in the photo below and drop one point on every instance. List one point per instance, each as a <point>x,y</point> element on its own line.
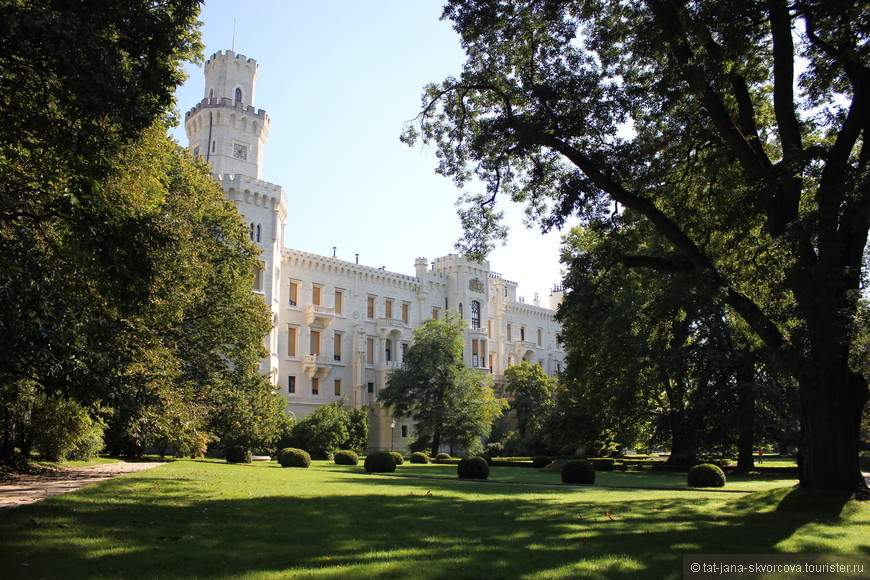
<point>397,457</point>
<point>539,462</point>
<point>472,468</point>
<point>442,456</point>
<point>578,471</point>
<point>380,462</point>
<point>864,460</point>
<point>495,449</point>
<point>292,457</point>
<point>419,457</point>
<point>706,475</point>
<point>603,464</point>
<point>346,457</point>
<point>238,454</point>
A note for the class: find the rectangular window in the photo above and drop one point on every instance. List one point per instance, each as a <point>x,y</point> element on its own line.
<point>316,295</point>
<point>406,312</point>
<point>388,309</point>
<point>336,347</point>
<point>509,333</point>
<point>371,387</point>
<point>339,301</point>
<point>337,387</point>
<point>522,332</point>
<point>491,363</point>
<point>294,293</point>
<point>404,431</point>
<point>370,351</point>
<point>489,328</point>
<point>315,386</point>
<point>540,336</point>
<point>370,307</point>
<point>434,314</point>
<point>258,277</point>
<point>291,384</point>
<point>315,343</point>
<point>404,350</point>
<point>292,339</point>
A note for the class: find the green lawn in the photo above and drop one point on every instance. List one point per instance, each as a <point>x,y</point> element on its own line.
<point>212,520</point>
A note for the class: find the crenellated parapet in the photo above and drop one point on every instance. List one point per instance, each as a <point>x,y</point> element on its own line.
<point>248,190</point>
<point>227,103</point>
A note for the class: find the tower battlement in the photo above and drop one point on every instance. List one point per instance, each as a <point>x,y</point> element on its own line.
<point>230,55</point>
<point>226,103</point>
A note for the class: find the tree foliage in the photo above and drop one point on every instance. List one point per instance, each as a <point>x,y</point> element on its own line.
<point>124,273</point>
<point>532,391</point>
<point>330,428</point>
<point>448,402</point>
<point>734,130</point>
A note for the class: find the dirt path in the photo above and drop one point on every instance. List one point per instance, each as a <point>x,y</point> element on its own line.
<point>20,489</point>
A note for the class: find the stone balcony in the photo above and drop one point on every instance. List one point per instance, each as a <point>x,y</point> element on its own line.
<point>319,316</point>
<point>524,345</point>
<point>386,325</point>
<point>316,366</point>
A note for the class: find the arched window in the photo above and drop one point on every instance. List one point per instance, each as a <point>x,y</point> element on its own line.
<point>239,95</point>
<point>460,310</point>
<point>252,231</point>
<point>475,314</point>
<point>258,233</point>
<point>210,94</point>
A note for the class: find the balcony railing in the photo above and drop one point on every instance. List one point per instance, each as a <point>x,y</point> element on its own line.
<point>319,316</point>
<point>316,366</point>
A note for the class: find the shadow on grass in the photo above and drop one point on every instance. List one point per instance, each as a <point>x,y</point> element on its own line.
<point>429,529</point>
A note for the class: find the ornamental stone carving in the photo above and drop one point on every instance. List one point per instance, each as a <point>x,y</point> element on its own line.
<point>475,285</point>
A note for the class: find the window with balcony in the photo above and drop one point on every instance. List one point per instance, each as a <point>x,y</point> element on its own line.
<point>315,343</point>
<point>336,347</point>
<point>475,314</point>
<point>317,295</point>
<point>292,340</point>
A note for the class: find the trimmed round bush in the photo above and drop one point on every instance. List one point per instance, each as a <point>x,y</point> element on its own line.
<point>578,471</point>
<point>539,462</point>
<point>443,456</point>
<point>706,475</point>
<point>419,457</point>
<point>380,462</point>
<point>292,457</point>
<point>397,457</point>
<point>238,454</point>
<point>346,457</point>
<point>472,468</point>
<point>603,464</point>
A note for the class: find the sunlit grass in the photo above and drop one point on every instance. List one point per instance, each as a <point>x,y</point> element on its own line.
<point>212,520</point>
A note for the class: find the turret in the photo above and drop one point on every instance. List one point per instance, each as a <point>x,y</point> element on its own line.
<point>225,128</point>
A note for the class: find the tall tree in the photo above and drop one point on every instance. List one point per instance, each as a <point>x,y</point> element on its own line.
<point>532,390</point>
<point>447,401</point>
<point>83,80</point>
<point>735,129</point>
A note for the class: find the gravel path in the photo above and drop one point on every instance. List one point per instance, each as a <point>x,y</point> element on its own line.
<point>20,489</point>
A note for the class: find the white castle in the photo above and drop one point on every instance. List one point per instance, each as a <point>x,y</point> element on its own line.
<point>340,327</point>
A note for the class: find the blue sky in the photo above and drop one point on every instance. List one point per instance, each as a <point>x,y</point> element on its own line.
<point>339,78</point>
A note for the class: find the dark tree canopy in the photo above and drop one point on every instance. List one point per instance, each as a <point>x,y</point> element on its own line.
<point>734,129</point>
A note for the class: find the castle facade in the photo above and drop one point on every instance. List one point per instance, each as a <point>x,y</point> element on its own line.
<point>340,327</point>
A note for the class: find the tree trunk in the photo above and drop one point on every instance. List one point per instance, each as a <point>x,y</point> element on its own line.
<point>436,443</point>
<point>7,445</point>
<point>746,412</point>
<point>831,404</point>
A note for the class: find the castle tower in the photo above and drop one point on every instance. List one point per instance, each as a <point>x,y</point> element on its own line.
<point>229,134</point>
<point>225,128</point>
